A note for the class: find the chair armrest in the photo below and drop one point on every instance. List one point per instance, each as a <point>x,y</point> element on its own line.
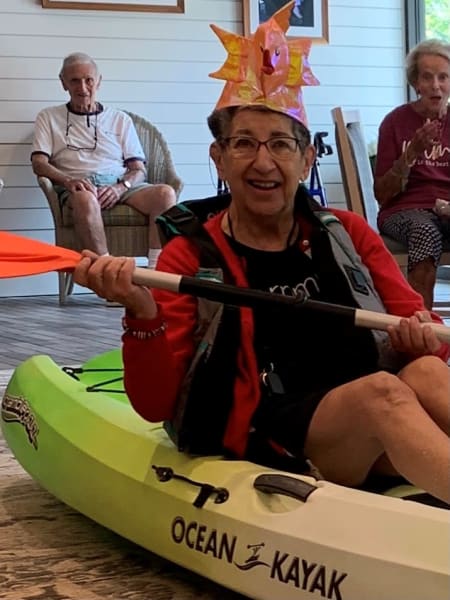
<point>176,182</point>
<point>160,167</point>
<point>52,198</point>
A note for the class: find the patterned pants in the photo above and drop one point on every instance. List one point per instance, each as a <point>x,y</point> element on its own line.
<point>421,230</point>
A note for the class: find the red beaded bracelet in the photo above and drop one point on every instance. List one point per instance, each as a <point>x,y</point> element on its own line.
<point>142,334</point>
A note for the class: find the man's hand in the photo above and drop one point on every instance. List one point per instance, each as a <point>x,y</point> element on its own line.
<point>109,195</point>
<point>80,185</point>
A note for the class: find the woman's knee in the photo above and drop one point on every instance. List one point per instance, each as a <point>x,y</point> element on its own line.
<point>383,393</point>
<point>426,235</point>
<point>364,404</point>
<point>429,370</point>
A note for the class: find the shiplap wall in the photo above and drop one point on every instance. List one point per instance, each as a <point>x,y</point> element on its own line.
<point>157,65</point>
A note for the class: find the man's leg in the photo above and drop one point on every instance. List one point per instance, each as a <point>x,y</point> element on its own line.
<point>152,201</point>
<point>355,424</point>
<point>87,221</point>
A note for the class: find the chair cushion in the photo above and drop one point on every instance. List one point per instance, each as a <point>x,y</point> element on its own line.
<point>395,247</point>
<point>121,215</point>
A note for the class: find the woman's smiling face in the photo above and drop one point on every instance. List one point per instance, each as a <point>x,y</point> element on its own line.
<point>262,184</point>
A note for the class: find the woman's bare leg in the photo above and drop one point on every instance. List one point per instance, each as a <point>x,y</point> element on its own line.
<point>429,378</point>
<point>359,421</point>
<point>422,278</point>
<point>421,376</point>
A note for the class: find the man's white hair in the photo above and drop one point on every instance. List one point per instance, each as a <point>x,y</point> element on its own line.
<point>77,58</point>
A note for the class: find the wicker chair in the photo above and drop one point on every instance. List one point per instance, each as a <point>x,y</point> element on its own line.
<point>126,229</point>
<point>357,178</point>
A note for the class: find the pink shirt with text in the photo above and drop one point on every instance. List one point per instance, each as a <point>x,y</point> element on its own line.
<point>429,178</point>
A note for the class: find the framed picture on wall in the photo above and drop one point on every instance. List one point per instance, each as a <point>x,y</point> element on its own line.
<point>163,6</point>
<point>309,18</point>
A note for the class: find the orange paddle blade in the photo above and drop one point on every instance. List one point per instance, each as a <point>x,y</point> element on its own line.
<point>20,256</point>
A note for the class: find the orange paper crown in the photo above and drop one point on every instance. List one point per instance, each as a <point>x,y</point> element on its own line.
<point>266,69</point>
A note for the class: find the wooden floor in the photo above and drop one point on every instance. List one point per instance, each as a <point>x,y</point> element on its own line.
<point>70,334</point>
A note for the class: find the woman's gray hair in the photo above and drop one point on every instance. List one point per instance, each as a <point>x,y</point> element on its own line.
<point>77,58</point>
<point>219,123</point>
<point>434,46</point>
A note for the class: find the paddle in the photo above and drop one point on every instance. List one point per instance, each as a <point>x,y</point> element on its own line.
<point>21,256</point>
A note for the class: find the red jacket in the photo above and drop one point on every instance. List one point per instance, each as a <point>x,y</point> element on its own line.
<point>155,367</point>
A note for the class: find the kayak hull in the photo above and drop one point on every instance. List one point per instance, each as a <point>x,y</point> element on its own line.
<point>93,452</point>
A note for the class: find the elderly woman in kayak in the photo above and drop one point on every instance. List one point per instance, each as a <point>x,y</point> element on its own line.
<point>277,386</point>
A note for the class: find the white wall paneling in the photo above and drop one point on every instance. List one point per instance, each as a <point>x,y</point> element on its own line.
<point>157,65</point>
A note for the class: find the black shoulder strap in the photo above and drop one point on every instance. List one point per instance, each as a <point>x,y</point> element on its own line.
<point>206,208</point>
<point>187,218</point>
<point>199,425</point>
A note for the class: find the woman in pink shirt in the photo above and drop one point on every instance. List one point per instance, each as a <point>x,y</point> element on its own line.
<point>413,165</point>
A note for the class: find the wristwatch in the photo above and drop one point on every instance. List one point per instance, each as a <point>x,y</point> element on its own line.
<point>126,183</point>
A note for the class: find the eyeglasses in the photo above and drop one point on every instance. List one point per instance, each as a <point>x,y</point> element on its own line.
<point>282,147</point>
<point>78,148</point>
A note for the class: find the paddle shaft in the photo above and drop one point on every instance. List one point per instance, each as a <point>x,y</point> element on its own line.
<point>238,296</point>
<point>20,256</point>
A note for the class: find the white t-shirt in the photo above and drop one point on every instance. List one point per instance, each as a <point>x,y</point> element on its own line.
<point>82,145</point>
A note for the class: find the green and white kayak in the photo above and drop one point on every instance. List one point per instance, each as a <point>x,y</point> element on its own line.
<point>264,533</point>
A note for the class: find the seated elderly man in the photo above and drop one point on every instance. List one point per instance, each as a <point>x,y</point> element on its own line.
<point>93,156</point>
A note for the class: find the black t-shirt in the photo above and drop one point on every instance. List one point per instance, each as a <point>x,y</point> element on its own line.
<point>299,344</point>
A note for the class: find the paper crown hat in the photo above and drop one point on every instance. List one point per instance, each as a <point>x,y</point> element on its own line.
<point>266,68</point>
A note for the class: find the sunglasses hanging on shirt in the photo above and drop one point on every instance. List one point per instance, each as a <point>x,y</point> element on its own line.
<point>69,125</point>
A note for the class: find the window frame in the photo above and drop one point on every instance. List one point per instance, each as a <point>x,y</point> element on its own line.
<point>414,30</point>
<point>415,22</point>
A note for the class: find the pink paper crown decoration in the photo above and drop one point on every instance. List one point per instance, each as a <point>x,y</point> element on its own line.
<point>266,68</point>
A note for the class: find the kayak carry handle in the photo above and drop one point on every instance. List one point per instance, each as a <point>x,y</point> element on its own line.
<point>285,485</point>
<point>207,490</point>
